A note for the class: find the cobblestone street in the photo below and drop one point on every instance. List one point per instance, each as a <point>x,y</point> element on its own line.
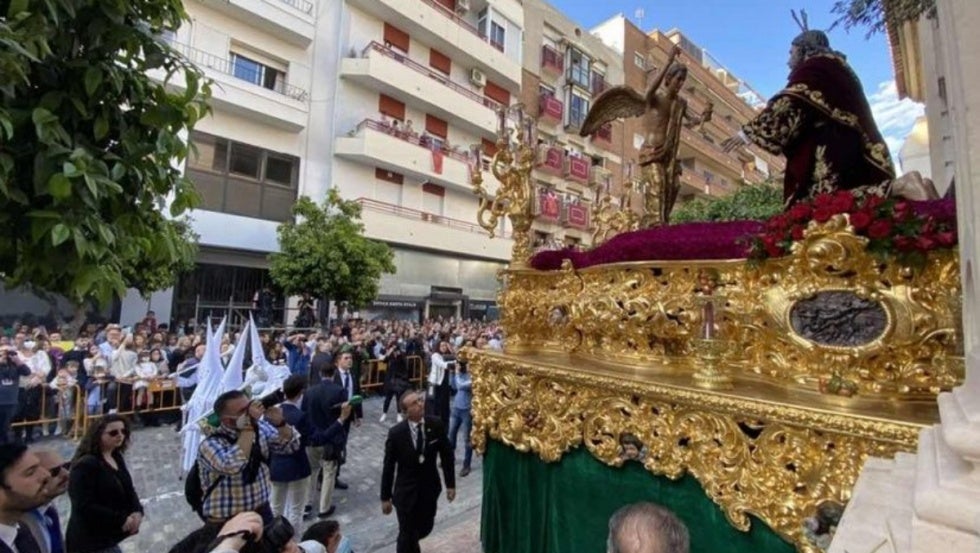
<point>154,460</point>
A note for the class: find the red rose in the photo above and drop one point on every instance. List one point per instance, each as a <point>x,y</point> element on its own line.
<point>946,239</point>
<point>904,243</point>
<point>843,201</point>
<point>797,232</point>
<point>778,223</point>
<point>823,214</point>
<point>872,202</point>
<point>924,243</point>
<point>823,200</point>
<point>880,229</point>
<point>770,243</point>
<point>800,212</point>
<point>860,220</point>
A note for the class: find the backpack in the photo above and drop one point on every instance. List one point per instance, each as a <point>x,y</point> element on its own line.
<point>194,492</point>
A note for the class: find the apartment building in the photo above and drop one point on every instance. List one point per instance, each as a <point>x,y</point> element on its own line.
<point>252,151</point>
<point>418,84</point>
<point>564,70</point>
<point>707,170</point>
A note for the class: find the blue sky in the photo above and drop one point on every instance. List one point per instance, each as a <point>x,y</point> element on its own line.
<point>751,38</point>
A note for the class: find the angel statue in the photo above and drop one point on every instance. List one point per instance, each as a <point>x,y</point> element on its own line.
<point>663,112</point>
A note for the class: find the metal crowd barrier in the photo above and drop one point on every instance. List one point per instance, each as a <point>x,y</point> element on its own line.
<point>121,397</point>
<point>373,372</point>
<point>48,408</point>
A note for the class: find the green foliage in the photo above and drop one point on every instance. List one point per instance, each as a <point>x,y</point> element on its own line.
<point>876,15</point>
<point>326,254</point>
<point>750,202</point>
<point>90,146</point>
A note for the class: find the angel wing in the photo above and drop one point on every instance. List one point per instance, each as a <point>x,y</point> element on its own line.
<point>615,103</point>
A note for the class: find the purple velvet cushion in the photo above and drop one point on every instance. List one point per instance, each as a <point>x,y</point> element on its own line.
<point>676,242</point>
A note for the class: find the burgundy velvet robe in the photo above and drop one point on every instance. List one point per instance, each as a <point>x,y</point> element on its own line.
<point>821,122</point>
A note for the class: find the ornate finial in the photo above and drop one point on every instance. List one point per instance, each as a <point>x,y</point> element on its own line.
<point>800,19</point>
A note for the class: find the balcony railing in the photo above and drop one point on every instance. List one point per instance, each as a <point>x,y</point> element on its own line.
<point>576,215</point>
<point>418,215</point>
<point>222,65</point>
<point>301,5</point>
<point>551,60</point>
<point>577,169</point>
<point>550,108</point>
<point>462,22</point>
<point>412,138</point>
<point>551,160</point>
<point>431,73</point>
<point>604,133</point>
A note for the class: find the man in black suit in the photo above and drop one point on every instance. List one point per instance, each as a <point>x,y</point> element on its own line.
<point>323,404</point>
<point>351,385</point>
<point>412,446</point>
<point>22,482</point>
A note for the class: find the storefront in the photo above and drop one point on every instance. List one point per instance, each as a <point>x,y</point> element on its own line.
<point>395,308</point>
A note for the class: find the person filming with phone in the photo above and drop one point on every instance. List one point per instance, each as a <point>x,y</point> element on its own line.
<point>234,460</point>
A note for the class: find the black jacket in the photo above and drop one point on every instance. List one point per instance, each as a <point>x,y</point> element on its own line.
<point>101,500</point>
<point>321,403</point>
<point>356,387</point>
<point>415,482</point>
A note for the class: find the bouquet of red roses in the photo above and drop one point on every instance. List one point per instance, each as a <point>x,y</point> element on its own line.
<point>891,226</point>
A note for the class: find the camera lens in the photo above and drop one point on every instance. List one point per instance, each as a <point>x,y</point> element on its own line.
<point>276,535</point>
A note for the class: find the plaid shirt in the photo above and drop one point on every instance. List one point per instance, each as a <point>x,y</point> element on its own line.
<point>224,458</point>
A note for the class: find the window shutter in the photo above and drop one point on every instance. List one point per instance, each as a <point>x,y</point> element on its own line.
<point>436,126</point>
<point>440,61</point>
<point>390,176</point>
<point>396,37</point>
<point>433,189</point>
<point>497,93</point>
<point>391,107</point>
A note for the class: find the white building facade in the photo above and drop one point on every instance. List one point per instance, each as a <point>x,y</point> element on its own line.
<point>304,95</point>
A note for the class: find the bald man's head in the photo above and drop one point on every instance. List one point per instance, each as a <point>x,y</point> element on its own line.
<point>646,528</point>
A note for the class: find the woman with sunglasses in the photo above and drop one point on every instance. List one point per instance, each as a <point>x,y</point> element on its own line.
<point>105,509</point>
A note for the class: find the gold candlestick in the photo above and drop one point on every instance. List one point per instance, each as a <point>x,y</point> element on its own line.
<point>512,166</point>
<point>710,348</point>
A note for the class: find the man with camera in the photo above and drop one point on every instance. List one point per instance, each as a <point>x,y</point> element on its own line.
<point>233,460</point>
<point>11,369</point>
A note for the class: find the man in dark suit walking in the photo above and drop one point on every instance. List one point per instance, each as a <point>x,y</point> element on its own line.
<point>323,404</point>
<point>351,385</point>
<point>412,446</point>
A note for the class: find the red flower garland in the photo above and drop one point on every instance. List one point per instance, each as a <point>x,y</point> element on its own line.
<point>891,225</point>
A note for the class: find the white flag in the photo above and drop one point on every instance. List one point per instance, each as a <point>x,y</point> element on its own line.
<point>232,378</point>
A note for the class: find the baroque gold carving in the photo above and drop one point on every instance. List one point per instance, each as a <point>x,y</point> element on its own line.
<point>774,461</point>
<point>647,315</point>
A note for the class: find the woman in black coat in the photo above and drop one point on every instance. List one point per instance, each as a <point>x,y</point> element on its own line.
<point>105,509</point>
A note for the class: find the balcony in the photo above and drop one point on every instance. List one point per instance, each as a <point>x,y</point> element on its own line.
<point>388,71</point>
<point>284,106</point>
<point>290,20</point>
<point>548,206</point>
<point>577,169</point>
<point>603,134</point>
<point>552,62</point>
<point>402,225</point>
<point>551,159</point>
<point>600,177</point>
<point>375,144</point>
<point>431,23</point>
<point>576,215</point>
<point>550,109</point>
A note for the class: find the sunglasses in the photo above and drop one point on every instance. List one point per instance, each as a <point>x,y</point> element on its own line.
<point>115,432</point>
<point>55,471</point>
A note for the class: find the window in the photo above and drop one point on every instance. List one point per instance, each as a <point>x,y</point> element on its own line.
<point>578,68</point>
<point>433,197</point>
<point>545,90</point>
<point>389,176</point>
<point>639,60</point>
<point>440,62</point>
<point>247,69</point>
<point>578,107</point>
<point>242,179</point>
<point>396,38</point>
<point>497,36</point>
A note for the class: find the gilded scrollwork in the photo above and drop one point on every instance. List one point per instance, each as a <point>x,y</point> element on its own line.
<point>777,462</point>
<point>647,315</point>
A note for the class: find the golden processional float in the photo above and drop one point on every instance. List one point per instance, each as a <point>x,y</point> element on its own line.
<point>749,393</point>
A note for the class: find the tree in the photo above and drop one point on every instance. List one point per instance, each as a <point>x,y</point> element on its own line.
<point>749,202</point>
<point>325,253</point>
<point>90,147</point>
<point>877,15</point>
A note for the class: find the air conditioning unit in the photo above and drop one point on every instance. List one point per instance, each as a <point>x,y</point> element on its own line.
<point>462,6</point>
<point>477,77</point>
